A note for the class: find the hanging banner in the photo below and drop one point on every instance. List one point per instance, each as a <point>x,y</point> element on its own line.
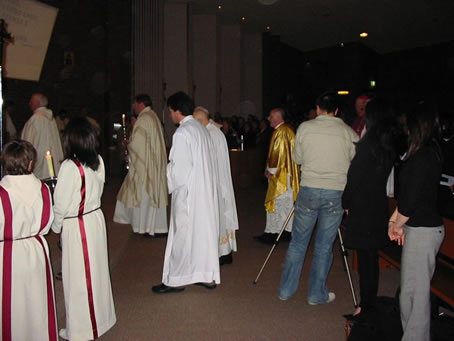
<point>30,24</point>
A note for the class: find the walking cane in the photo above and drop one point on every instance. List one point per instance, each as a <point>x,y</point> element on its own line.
<point>344,254</point>
<point>275,243</point>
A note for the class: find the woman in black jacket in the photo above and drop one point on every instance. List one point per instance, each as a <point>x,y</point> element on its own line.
<point>365,199</point>
<point>416,223</point>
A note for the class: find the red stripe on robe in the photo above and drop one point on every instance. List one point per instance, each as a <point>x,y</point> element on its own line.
<point>51,316</point>
<point>85,250</point>
<point>7,265</point>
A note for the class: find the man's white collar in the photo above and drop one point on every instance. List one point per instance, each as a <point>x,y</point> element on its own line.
<point>279,125</point>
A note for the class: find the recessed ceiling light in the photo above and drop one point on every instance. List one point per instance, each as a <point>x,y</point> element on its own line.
<point>219,7</point>
<point>267,2</point>
<point>363,34</point>
<point>341,44</point>
<point>243,18</point>
<point>268,28</point>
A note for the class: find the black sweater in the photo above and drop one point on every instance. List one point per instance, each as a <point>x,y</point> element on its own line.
<point>418,188</point>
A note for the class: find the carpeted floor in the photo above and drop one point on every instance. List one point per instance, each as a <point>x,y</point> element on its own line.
<point>236,309</point>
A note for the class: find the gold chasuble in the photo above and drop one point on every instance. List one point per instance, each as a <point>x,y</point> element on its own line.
<point>280,156</point>
<point>147,163</point>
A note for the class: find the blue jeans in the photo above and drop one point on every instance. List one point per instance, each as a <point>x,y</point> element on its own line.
<point>312,204</point>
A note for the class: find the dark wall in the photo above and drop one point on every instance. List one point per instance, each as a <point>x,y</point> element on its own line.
<point>97,34</point>
<point>271,72</point>
<point>293,79</point>
<point>419,74</point>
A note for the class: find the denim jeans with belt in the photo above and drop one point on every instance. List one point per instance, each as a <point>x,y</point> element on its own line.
<point>312,205</point>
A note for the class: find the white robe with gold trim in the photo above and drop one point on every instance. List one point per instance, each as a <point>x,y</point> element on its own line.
<point>228,218</point>
<point>142,199</point>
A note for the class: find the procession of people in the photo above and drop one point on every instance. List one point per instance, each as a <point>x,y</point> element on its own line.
<point>320,171</point>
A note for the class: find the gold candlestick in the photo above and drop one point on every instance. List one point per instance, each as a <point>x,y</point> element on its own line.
<point>125,140</point>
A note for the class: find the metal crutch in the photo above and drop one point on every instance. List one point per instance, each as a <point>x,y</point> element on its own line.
<point>344,254</point>
<point>275,243</point>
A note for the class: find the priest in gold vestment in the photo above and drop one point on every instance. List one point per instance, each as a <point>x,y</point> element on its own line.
<point>142,199</point>
<point>283,178</point>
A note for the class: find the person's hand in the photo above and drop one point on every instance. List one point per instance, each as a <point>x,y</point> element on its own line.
<point>396,233</point>
<point>391,230</point>
<point>346,211</point>
<point>268,175</point>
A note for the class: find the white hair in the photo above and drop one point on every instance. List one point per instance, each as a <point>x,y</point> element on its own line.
<point>41,99</point>
<point>202,109</point>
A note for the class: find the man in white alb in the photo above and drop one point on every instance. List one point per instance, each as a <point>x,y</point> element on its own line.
<point>42,132</point>
<point>191,255</point>
<point>228,219</point>
<point>142,199</point>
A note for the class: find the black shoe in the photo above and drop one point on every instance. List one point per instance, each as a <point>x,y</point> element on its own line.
<point>160,235</point>
<point>164,289</point>
<point>227,259</point>
<point>156,235</point>
<point>266,238</point>
<point>206,285</point>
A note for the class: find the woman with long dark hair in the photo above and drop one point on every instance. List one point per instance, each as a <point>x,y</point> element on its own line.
<point>78,217</point>
<point>365,200</point>
<point>416,223</point>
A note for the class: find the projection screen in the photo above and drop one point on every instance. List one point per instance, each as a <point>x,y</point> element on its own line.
<point>30,23</point>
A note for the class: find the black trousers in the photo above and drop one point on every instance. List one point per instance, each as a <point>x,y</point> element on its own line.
<point>368,271</point>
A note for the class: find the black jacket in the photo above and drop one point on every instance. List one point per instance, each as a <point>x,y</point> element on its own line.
<point>365,198</point>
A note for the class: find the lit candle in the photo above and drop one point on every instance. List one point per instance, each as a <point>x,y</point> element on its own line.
<point>123,120</point>
<point>50,165</point>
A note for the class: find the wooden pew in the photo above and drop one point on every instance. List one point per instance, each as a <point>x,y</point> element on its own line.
<point>443,280</point>
<point>442,285</point>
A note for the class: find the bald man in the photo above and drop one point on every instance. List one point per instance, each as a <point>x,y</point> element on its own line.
<point>42,132</point>
<point>283,178</point>
<point>228,218</point>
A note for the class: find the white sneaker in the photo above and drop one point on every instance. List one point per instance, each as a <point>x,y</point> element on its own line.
<point>331,297</point>
<point>283,298</point>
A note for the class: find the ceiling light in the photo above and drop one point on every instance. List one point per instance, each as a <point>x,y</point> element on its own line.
<point>243,18</point>
<point>343,92</point>
<point>363,34</point>
<point>268,28</point>
<point>267,2</point>
<point>219,7</point>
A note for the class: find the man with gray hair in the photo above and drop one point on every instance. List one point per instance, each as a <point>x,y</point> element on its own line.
<point>42,132</point>
<point>228,218</point>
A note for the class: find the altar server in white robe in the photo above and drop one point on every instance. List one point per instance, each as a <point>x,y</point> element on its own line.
<point>27,290</point>
<point>42,132</point>
<point>142,199</point>
<point>87,289</point>
<point>228,218</point>
<point>191,255</point>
